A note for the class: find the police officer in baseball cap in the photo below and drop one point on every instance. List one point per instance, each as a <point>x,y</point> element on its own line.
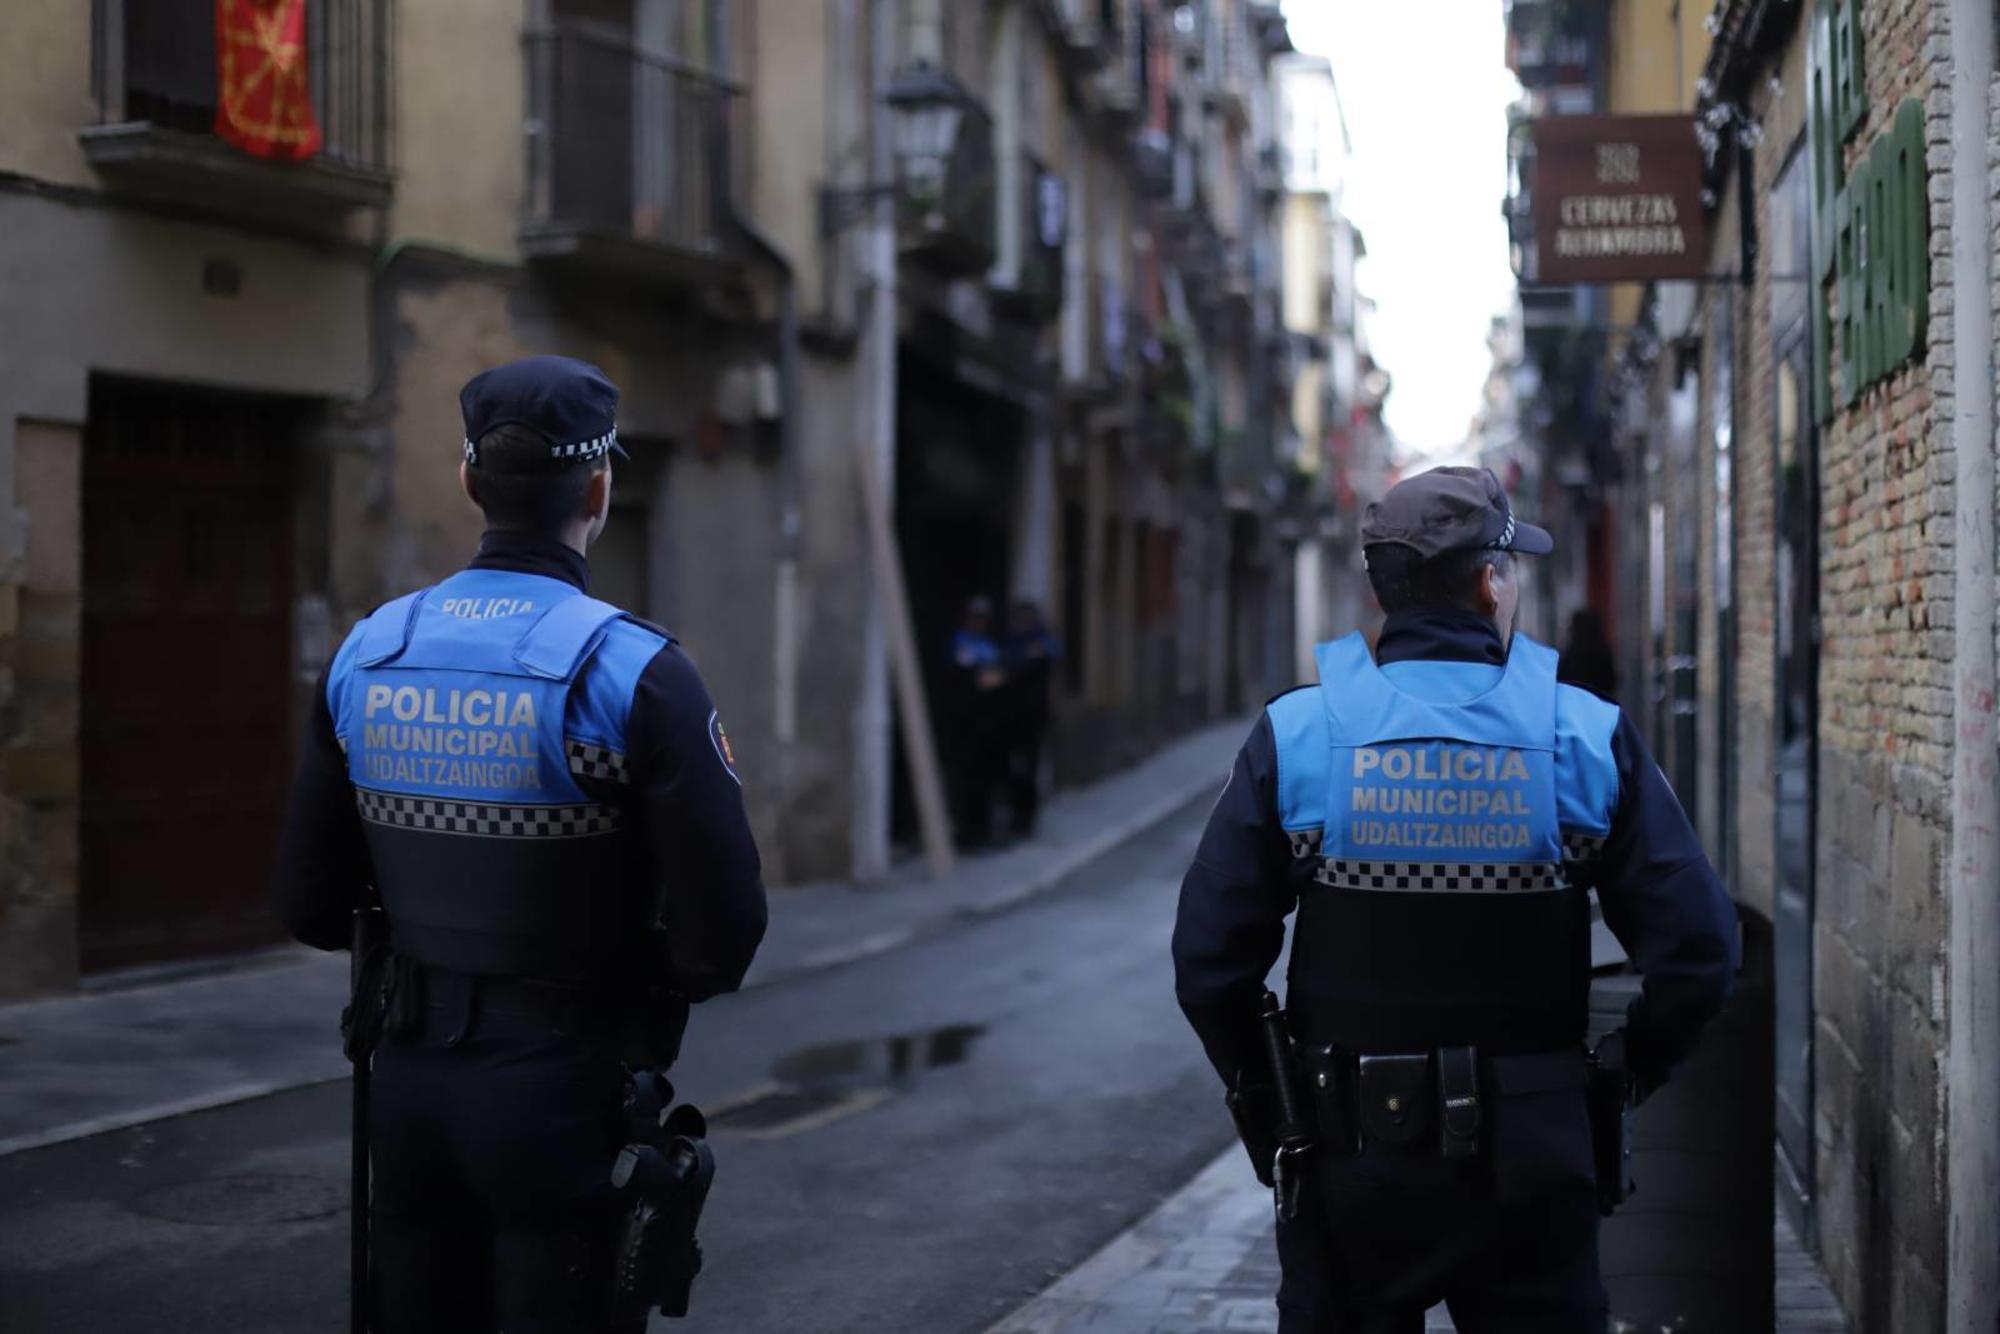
<point>537,789</point>
<point>1435,811</point>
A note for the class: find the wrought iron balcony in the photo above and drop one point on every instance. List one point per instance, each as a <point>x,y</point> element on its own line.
<point>1153,163</point>
<point>156,89</point>
<point>1088,30</point>
<point>630,166</point>
<point>1033,237</point>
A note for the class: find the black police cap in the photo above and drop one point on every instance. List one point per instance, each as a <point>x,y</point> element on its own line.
<point>569,403</point>
<point>1451,509</point>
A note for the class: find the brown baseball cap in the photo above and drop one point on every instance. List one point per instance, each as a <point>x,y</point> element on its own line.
<point>1451,509</point>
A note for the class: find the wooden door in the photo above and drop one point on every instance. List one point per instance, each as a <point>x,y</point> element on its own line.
<point>186,713</point>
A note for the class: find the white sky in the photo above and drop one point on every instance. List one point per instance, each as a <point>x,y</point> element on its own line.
<point>1425,86</point>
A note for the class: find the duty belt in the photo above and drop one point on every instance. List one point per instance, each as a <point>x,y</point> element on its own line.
<point>444,1004</point>
<point>1423,1101</point>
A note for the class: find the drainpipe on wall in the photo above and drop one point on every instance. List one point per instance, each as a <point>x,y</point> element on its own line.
<point>927,31</point>
<point>877,413</point>
<point>785,598</point>
<point>1972,1050</point>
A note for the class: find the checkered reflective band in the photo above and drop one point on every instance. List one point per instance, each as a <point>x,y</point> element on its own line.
<point>589,760</point>
<point>485,819</point>
<point>1443,877</point>
<point>1582,849</point>
<point>1506,539</point>
<point>1579,850</point>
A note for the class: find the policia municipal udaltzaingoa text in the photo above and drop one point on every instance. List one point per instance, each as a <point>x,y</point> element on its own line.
<point>1434,811</point>
<point>534,787</point>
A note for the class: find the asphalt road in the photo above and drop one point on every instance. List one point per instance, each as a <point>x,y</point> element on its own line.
<point>1045,1094</point>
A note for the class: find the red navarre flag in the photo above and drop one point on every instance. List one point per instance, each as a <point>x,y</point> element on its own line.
<point>263,104</point>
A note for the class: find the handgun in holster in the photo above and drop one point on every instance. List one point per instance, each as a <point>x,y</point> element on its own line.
<point>665,1169</point>
<point>1274,1123</point>
<point>1610,1097</point>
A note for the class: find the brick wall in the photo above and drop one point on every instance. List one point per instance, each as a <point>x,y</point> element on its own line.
<point>1885,765</point>
<point>1755,675</point>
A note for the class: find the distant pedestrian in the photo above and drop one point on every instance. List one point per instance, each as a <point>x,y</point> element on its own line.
<point>1587,660</point>
<point>1431,817</point>
<point>975,722</point>
<point>1029,653</point>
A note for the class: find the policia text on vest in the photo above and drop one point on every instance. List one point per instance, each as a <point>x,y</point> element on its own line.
<point>468,739</point>
<point>1469,791</point>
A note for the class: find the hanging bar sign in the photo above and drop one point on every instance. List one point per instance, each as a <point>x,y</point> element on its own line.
<point>1618,199</point>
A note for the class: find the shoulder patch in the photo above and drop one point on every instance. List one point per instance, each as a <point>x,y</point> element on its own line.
<point>719,738</point>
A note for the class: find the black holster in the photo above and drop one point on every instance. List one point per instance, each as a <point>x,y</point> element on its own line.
<point>1609,1094</point>
<point>1254,1109</point>
<point>388,997</point>
<point>665,1169</point>
<point>1272,1119</point>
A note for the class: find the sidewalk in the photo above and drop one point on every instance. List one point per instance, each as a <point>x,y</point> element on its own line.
<point>1204,1262</point>
<point>72,1066</point>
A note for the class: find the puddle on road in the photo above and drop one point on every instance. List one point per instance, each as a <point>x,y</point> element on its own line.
<point>820,1084</point>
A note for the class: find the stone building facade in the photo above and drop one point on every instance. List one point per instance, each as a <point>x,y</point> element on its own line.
<point>228,420</point>
<point>1787,497</point>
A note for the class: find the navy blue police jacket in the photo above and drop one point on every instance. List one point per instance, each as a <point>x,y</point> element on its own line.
<point>1413,947</point>
<point>537,785</point>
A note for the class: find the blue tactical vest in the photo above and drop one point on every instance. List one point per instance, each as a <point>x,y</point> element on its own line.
<point>1444,809</point>
<point>468,711</point>
<point>974,650</point>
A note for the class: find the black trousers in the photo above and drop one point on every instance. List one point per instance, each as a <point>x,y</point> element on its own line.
<point>1507,1241</point>
<point>494,1130</point>
<point>1024,772</point>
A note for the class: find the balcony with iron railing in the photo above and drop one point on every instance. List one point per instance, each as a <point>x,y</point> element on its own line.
<point>1228,64</point>
<point>156,88</point>
<point>1034,229</point>
<point>1088,30</point>
<point>630,166</point>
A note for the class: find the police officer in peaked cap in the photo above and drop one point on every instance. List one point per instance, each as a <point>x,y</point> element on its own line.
<point>536,786</point>
<point>1435,810</point>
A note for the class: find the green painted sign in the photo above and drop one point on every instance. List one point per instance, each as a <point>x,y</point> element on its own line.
<point>1871,222</point>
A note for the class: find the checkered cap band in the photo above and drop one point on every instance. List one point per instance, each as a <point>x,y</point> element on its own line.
<point>580,451</point>
<point>585,449</point>
<point>589,760</point>
<point>485,819</point>
<point>1442,877</point>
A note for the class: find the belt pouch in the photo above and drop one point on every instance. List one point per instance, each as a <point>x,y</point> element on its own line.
<point>407,998</point>
<point>1330,1080</point>
<point>1458,1101</point>
<point>1395,1098</point>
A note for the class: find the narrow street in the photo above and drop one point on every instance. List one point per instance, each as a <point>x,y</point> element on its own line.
<point>878,461</point>
<point>868,1191</point>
